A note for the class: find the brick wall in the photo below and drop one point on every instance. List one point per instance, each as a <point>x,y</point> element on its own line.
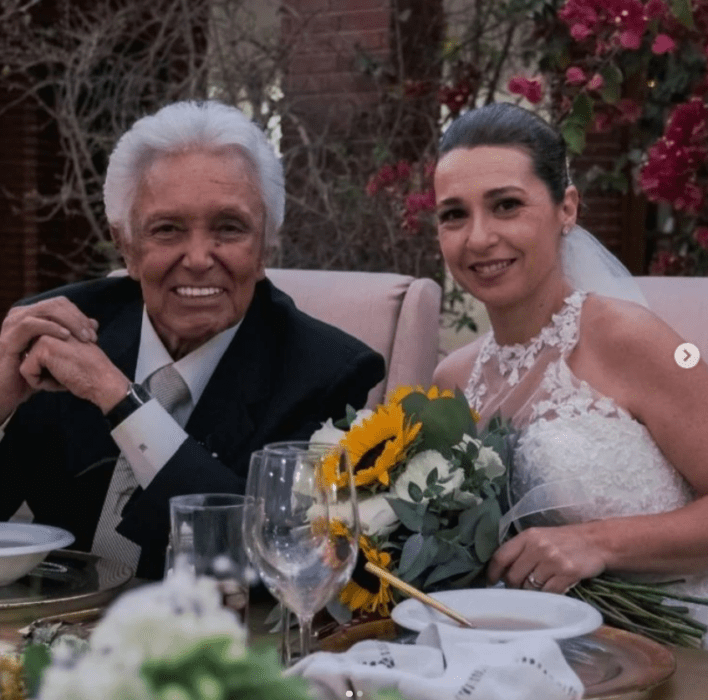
<point>18,161</point>
<point>330,41</point>
<point>618,220</point>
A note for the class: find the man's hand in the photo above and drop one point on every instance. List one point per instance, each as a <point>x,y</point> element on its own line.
<point>54,364</point>
<point>56,318</point>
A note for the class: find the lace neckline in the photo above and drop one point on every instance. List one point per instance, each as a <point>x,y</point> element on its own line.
<point>561,333</point>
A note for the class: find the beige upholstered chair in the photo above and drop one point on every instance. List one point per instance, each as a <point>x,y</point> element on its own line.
<point>683,303</point>
<point>395,314</point>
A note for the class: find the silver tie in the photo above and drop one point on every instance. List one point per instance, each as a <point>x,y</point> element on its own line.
<point>171,391</point>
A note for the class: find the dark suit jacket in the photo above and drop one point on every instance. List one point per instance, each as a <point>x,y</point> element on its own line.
<point>282,375</point>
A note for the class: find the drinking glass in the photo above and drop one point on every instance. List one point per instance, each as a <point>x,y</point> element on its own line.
<point>301,526</point>
<point>207,540</point>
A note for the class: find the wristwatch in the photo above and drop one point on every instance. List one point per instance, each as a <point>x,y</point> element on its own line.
<point>137,396</point>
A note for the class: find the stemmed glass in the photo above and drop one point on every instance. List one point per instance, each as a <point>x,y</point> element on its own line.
<point>301,526</point>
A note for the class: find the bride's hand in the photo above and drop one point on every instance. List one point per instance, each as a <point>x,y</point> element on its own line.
<point>551,559</point>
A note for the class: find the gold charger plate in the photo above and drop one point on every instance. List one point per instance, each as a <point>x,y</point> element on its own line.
<point>65,581</point>
<point>610,662</point>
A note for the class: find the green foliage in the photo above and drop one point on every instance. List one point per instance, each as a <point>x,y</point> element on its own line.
<point>35,659</point>
<point>206,671</point>
<point>444,420</point>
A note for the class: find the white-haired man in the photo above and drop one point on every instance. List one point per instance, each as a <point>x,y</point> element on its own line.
<point>122,392</point>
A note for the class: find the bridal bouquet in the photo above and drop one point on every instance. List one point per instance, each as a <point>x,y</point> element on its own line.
<point>430,490</point>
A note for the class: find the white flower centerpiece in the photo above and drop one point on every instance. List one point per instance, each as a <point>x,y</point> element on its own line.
<point>166,641</point>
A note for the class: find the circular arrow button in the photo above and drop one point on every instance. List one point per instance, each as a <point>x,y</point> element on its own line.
<point>687,355</point>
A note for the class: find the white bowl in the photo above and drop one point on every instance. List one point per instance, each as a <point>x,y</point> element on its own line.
<point>24,545</point>
<point>544,614</point>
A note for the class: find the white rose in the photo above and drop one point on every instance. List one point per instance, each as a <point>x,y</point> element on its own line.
<point>417,470</point>
<point>466,440</point>
<point>327,434</point>
<point>376,516</point>
<point>489,462</point>
<point>331,435</point>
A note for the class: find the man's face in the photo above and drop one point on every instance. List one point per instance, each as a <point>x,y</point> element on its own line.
<point>197,244</point>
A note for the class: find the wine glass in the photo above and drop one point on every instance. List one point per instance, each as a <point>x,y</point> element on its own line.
<point>301,526</point>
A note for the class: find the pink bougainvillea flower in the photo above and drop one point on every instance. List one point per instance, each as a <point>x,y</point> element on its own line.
<point>530,88</point>
<point>668,263</point>
<point>580,32</point>
<point>596,82</point>
<point>630,39</point>
<point>417,202</point>
<point>575,76</point>
<point>700,235</point>
<point>663,43</point>
<point>630,110</point>
<point>691,200</point>
<point>579,13</point>
<point>403,170</point>
<point>603,121</point>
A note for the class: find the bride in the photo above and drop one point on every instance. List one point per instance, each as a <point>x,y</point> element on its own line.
<point>586,376</point>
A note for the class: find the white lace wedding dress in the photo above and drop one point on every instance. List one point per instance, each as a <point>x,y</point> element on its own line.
<point>569,430</point>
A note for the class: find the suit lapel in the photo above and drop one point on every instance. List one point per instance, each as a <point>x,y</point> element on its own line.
<point>225,417</point>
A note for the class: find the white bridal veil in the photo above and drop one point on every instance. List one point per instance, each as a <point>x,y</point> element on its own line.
<point>590,267</point>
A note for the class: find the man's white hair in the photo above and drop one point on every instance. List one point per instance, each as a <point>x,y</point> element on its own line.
<point>179,128</point>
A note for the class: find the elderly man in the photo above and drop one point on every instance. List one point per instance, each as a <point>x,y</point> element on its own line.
<point>122,392</point>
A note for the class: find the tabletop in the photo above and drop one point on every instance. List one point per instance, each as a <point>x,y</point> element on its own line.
<point>689,682</point>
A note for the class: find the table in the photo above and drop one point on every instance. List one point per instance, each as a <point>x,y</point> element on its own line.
<point>689,682</point>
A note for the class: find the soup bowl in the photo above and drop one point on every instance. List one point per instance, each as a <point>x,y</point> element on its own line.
<point>503,614</point>
<point>24,545</point>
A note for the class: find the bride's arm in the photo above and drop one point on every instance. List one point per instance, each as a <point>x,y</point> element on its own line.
<point>629,355</point>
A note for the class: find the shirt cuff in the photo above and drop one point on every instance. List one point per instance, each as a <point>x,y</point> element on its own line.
<point>148,438</point>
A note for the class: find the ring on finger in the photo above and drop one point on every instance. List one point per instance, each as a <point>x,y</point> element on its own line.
<point>534,583</point>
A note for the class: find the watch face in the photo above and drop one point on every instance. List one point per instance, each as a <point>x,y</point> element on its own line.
<point>134,399</point>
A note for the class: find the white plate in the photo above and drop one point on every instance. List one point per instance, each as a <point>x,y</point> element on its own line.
<point>24,545</point>
<point>553,615</point>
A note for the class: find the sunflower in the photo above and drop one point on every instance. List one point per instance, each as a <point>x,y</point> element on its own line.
<point>433,393</point>
<point>375,447</point>
<point>365,592</point>
<point>336,552</point>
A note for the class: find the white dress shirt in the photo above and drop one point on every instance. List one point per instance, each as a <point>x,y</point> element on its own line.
<point>150,436</point>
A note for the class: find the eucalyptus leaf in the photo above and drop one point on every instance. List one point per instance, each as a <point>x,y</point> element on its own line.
<point>425,558</point>
<point>454,567</point>
<point>486,537</point>
<point>407,513</point>
<point>409,553</point>
<point>415,492</point>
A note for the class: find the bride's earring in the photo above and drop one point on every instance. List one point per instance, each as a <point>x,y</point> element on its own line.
<point>565,230</point>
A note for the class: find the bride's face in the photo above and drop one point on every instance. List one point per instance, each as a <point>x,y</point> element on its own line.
<point>498,226</point>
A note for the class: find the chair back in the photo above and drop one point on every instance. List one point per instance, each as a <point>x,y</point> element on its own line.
<point>394,314</point>
<point>683,303</point>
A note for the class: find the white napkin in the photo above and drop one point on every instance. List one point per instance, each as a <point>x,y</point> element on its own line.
<point>444,665</point>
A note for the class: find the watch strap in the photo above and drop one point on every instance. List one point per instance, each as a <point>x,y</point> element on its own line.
<point>136,396</point>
